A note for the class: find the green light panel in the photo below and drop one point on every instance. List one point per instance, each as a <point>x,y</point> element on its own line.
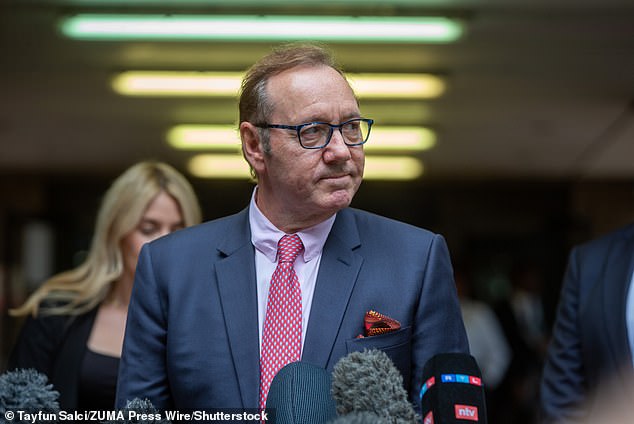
<point>262,28</point>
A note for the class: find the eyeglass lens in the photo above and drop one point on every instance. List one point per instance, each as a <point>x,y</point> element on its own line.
<point>317,135</point>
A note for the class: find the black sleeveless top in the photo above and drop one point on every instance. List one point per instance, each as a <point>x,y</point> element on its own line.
<point>97,382</point>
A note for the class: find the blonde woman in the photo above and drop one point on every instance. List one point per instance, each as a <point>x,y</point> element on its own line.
<point>76,320</point>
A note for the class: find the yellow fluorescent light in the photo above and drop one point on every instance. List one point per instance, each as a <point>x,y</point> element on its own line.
<point>397,86</point>
<point>226,138</point>
<point>219,166</point>
<point>394,168</point>
<point>233,166</point>
<point>204,137</point>
<point>165,83</point>
<point>227,84</point>
<point>400,139</point>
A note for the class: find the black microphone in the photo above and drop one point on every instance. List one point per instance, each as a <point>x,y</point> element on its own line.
<point>369,382</point>
<point>138,411</point>
<point>452,390</point>
<point>26,390</point>
<point>300,394</point>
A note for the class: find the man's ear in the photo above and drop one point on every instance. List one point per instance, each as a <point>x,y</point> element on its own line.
<point>252,147</point>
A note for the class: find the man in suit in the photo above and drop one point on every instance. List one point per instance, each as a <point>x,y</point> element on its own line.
<point>590,354</point>
<point>199,326</point>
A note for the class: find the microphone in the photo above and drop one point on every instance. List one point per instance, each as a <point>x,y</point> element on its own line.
<point>139,411</point>
<point>452,390</point>
<point>27,390</point>
<point>300,394</point>
<point>360,418</point>
<point>369,382</point>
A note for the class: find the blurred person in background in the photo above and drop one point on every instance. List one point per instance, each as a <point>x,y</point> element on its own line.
<point>76,320</point>
<point>487,342</point>
<point>589,358</point>
<point>528,308</point>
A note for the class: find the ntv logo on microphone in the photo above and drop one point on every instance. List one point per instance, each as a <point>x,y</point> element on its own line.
<point>466,412</point>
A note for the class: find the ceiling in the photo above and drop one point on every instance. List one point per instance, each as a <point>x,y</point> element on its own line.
<point>536,88</point>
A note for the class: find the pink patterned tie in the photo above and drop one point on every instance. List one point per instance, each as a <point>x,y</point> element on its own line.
<point>282,335</point>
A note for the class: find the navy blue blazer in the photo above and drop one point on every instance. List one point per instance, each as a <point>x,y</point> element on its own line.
<point>589,348</point>
<point>192,338</point>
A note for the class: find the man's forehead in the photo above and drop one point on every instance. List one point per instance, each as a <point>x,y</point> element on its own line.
<point>310,88</point>
<point>307,75</point>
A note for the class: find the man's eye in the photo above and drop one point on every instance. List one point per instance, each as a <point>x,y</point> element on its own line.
<point>314,131</point>
<point>351,127</point>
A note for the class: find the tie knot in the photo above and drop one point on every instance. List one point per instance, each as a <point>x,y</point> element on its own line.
<point>289,247</point>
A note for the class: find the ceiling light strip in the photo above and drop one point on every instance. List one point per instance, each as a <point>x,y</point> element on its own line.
<point>167,83</point>
<point>375,29</point>
<point>227,84</point>
<point>228,166</point>
<point>393,86</point>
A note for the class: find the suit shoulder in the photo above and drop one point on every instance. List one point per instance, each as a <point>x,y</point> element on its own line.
<point>605,241</point>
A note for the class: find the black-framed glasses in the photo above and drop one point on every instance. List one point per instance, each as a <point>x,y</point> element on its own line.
<point>317,135</point>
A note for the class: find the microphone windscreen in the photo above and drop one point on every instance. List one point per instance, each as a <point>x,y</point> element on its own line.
<point>452,390</point>
<point>27,390</point>
<point>145,413</point>
<point>300,394</point>
<point>369,381</point>
<point>360,418</point>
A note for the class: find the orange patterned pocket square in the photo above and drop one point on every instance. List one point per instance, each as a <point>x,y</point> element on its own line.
<point>376,324</point>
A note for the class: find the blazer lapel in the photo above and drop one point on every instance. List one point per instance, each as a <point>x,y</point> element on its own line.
<point>617,278</point>
<point>337,276</point>
<point>238,295</point>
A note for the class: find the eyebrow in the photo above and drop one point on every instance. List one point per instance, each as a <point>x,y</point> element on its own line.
<point>346,118</point>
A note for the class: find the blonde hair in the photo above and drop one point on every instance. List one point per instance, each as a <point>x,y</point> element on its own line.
<point>81,289</point>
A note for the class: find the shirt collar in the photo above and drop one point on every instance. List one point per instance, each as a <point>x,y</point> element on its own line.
<point>265,235</point>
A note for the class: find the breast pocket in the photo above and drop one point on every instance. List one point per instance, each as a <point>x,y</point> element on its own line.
<point>397,345</point>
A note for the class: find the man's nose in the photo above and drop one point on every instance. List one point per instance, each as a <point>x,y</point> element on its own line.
<point>337,149</point>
